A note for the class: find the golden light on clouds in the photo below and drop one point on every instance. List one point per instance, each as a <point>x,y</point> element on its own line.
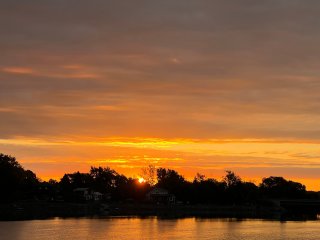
<point>254,158</point>
<point>18,70</point>
<point>198,86</point>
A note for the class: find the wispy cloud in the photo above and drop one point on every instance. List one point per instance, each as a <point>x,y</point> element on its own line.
<point>18,70</point>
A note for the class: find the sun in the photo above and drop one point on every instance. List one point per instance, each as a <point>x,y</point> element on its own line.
<point>141,180</point>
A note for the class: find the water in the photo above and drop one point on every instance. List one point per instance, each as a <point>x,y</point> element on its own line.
<point>154,228</point>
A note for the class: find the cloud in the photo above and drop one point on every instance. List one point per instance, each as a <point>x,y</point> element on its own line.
<point>18,70</point>
<point>161,69</point>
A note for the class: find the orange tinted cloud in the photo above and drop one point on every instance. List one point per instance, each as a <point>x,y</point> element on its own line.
<point>18,70</point>
<point>191,85</point>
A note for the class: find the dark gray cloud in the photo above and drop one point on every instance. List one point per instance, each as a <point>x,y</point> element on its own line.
<point>242,69</point>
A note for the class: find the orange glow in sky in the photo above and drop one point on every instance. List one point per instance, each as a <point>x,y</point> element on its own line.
<point>197,86</point>
<point>252,159</point>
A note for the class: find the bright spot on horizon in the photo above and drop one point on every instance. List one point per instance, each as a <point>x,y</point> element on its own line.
<point>141,180</point>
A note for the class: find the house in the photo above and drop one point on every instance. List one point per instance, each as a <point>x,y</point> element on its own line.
<point>161,196</point>
<point>85,194</point>
<point>82,194</point>
<point>97,196</point>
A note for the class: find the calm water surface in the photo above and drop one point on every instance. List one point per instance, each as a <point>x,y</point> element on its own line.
<point>154,228</point>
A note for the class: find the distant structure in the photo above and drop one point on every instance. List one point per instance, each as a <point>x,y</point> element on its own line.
<point>85,194</point>
<point>161,196</point>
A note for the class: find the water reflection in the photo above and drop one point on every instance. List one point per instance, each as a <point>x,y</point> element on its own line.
<point>155,228</point>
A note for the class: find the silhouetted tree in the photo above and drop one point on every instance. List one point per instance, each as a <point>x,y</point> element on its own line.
<point>278,187</point>
<point>104,179</point>
<point>174,183</point>
<point>15,182</point>
<point>48,190</point>
<point>199,178</point>
<point>231,179</point>
<point>233,188</point>
<point>132,190</point>
<point>250,192</point>
<point>149,174</point>
<point>71,181</point>
<point>169,178</point>
<point>206,190</point>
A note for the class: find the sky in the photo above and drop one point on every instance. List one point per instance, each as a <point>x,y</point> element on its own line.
<point>194,85</point>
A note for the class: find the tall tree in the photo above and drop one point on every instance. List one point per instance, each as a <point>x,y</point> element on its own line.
<point>231,179</point>
<point>149,174</point>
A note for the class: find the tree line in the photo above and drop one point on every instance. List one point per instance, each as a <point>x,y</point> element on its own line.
<point>19,184</point>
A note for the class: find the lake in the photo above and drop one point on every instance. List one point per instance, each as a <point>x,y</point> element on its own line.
<point>155,228</point>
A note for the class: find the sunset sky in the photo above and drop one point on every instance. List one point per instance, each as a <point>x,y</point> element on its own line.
<point>193,85</point>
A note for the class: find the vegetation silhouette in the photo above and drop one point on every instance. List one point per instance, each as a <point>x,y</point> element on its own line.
<point>15,181</point>
<point>20,184</point>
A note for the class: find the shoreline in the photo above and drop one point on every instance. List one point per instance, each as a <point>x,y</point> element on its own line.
<point>49,210</point>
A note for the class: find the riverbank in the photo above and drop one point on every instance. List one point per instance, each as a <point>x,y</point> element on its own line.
<point>43,210</point>
<point>194,210</point>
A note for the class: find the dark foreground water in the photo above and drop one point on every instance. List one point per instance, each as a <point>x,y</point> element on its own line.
<point>154,228</point>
